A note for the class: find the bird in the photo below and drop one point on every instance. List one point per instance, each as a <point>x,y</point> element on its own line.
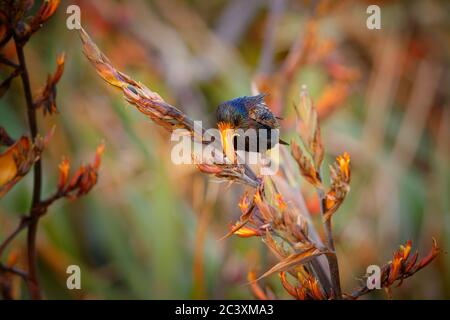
<point>247,112</point>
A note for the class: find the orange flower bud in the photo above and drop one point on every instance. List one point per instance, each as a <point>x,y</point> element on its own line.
<point>64,168</point>
<point>247,232</point>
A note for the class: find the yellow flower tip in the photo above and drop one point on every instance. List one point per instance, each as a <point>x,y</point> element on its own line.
<point>246,232</point>
<point>47,9</point>
<point>64,168</point>
<point>344,163</point>
<point>405,250</point>
<point>257,197</point>
<point>98,155</point>
<point>244,203</point>
<point>60,59</point>
<point>280,201</point>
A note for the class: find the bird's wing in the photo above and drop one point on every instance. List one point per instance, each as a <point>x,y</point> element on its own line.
<point>262,115</point>
<point>259,113</point>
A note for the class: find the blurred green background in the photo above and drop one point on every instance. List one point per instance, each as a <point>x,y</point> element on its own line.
<point>150,229</point>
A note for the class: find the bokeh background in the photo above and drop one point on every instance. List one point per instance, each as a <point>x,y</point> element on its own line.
<point>150,229</point>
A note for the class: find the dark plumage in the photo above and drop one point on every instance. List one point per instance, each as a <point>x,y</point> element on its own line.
<point>248,112</point>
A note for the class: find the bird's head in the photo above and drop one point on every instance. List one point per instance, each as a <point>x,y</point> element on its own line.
<point>231,115</point>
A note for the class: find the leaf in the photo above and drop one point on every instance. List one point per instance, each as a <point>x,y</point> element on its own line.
<point>292,260</point>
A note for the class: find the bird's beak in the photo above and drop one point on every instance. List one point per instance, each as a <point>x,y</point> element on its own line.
<point>227,134</point>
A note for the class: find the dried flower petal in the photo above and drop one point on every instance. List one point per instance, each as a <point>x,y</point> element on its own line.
<point>401,267</point>
<point>305,165</point>
<point>18,159</point>
<point>46,10</point>
<point>340,180</point>
<point>47,98</point>
<point>262,206</point>
<point>244,203</point>
<point>84,178</point>
<point>308,127</point>
<point>282,205</point>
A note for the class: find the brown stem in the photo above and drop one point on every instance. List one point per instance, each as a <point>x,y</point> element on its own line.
<point>13,270</point>
<point>33,283</point>
<point>321,275</point>
<point>7,62</point>
<point>24,222</point>
<point>358,293</point>
<point>332,257</point>
<point>5,39</point>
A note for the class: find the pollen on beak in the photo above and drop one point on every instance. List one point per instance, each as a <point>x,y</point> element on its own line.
<point>227,134</point>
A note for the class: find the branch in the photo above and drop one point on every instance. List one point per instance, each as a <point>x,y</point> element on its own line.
<point>13,270</point>
<point>8,62</point>
<point>4,86</point>
<point>402,266</point>
<point>24,222</point>
<point>6,38</point>
<point>33,283</point>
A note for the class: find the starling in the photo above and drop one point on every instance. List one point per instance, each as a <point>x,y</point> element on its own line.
<point>246,113</point>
